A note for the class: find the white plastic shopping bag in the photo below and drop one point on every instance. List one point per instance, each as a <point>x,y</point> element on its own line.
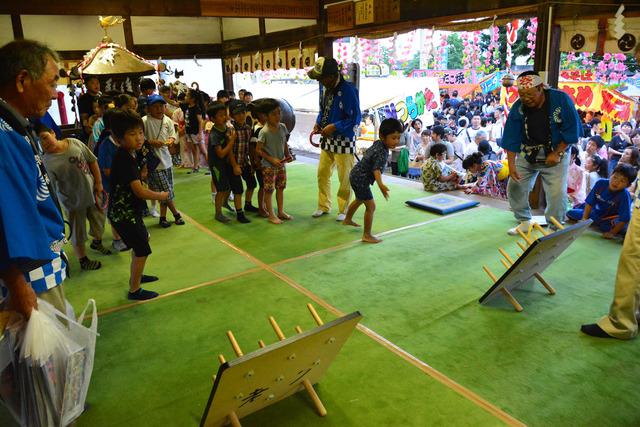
<point>48,363</point>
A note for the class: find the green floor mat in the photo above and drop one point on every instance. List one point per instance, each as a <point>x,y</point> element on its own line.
<point>182,256</point>
<point>536,365</point>
<point>154,365</point>
<point>271,243</point>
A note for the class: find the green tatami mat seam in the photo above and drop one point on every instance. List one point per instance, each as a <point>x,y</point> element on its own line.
<point>424,367</point>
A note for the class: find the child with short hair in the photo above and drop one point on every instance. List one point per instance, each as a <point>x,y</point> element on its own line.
<point>160,133</point>
<point>106,149</point>
<point>436,174</point>
<point>225,171</point>
<point>273,148</point>
<point>609,203</point>
<point>244,155</point>
<point>369,170</point>
<point>127,198</point>
<point>76,177</point>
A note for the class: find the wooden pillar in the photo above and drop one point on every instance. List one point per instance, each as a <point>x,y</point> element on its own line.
<point>554,57</point>
<point>16,23</point>
<point>325,46</point>
<point>128,33</point>
<point>547,55</point>
<point>540,60</point>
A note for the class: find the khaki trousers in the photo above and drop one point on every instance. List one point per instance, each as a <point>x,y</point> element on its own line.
<point>344,164</point>
<point>621,321</point>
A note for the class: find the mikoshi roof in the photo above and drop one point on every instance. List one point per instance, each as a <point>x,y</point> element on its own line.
<point>112,59</point>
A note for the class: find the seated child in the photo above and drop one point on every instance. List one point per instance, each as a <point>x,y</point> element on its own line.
<point>76,177</point>
<point>273,148</point>
<point>595,145</point>
<point>369,170</point>
<point>487,174</point>
<point>127,198</point>
<point>596,168</point>
<point>575,179</point>
<point>609,203</point>
<point>436,174</point>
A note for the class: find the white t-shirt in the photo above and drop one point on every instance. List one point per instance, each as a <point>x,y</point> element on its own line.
<point>160,130</point>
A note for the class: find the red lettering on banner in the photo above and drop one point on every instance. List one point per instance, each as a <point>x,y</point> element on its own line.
<point>569,91</point>
<point>585,96</point>
<point>615,107</point>
<point>512,95</point>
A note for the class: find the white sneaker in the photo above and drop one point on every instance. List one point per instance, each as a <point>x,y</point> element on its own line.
<point>319,213</point>
<point>341,217</point>
<point>523,226</point>
<point>154,213</point>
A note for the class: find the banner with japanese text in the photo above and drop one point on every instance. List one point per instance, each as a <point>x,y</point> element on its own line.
<point>417,103</point>
<point>588,97</point>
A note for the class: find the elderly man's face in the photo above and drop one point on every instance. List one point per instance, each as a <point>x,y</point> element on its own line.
<point>531,97</point>
<point>37,94</point>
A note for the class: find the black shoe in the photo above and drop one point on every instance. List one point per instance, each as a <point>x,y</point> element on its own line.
<point>178,220</point>
<point>89,264</point>
<point>142,295</point>
<point>148,279</point>
<point>242,219</point>
<point>594,330</point>
<point>228,207</point>
<point>164,223</point>
<point>251,208</point>
<point>96,245</point>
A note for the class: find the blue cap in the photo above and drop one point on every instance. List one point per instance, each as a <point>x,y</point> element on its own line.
<point>152,99</point>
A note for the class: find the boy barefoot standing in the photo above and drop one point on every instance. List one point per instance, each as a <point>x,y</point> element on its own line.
<point>369,170</point>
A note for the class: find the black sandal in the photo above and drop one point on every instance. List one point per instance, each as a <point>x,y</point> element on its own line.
<point>89,264</point>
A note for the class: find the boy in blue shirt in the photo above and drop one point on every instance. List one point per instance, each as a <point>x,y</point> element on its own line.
<point>609,203</point>
<point>369,170</point>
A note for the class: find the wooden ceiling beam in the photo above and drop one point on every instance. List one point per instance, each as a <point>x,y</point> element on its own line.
<point>279,39</point>
<point>100,7</point>
<point>153,51</point>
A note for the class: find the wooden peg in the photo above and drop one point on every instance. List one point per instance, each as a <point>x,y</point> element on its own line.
<point>221,359</point>
<point>233,418</point>
<point>540,229</point>
<point>276,328</point>
<point>315,316</point>
<point>544,283</point>
<point>307,385</point>
<point>524,236</point>
<point>261,344</point>
<point>492,276</point>
<point>523,247</point>
<point>505,263</point>
<point>298,329</point>
<point>505,255</point>
<point>505,292</point>
<point>234,344</point>
<point>556,223</point>
<point>514,302</point>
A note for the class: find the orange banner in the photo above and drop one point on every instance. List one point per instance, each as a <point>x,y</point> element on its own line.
<point>588,97</point>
